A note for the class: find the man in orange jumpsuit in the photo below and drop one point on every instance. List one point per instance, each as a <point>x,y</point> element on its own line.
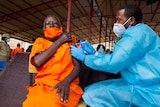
<point>56,83</point>
<point>17,49</point>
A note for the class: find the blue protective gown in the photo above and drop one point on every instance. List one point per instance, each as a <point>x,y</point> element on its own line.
<point>137,57</point>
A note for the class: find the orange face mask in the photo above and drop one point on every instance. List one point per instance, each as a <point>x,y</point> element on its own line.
<point>52,33</point>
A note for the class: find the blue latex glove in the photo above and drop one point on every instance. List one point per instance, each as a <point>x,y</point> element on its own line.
<point>77,53</point>
<point>86,46</point>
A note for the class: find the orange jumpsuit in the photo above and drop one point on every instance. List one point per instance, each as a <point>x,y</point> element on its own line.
<point>51,73</point>
<point>17,49</point>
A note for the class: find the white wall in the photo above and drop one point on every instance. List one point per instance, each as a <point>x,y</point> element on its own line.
<point>13,43</point>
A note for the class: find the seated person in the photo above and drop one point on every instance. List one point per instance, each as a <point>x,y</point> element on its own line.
<point>56,83</point>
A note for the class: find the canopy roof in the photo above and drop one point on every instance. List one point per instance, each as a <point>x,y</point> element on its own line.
<point>90,19</point>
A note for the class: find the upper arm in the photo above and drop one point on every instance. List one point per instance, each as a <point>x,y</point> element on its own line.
<point>76,63</point>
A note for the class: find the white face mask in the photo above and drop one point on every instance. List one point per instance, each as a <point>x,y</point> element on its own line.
<point>101,49</point>
<point>119,29</point>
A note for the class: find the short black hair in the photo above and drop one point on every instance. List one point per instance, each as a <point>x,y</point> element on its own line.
<point>133,10</point>
<point>29,48</point>
<point>4,38</point>
<point>18,44</point>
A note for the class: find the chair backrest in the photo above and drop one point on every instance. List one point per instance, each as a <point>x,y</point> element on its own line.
<point>13,81</point>
<point>31,68</point>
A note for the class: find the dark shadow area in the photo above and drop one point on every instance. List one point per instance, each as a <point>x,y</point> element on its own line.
<point>89,76</point>
<point>13,81</point>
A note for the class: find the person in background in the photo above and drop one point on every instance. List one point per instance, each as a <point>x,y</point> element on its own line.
<point>29,48</point>
<point>56,83</point>
<point>101,48</point>
<point>17,49</point>
<point>22,49</point>
<point>108,51</point>
<point>5,53</point>
<point>136,56</point>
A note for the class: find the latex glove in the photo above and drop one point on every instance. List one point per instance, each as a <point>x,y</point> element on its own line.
<point>65,37</point>
<point>77,53</point>
<point>86,46</point>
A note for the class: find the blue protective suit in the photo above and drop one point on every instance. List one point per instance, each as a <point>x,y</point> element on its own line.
<point>137,57</point>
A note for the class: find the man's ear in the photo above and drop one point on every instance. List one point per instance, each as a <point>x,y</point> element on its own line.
<point>133,21</point>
